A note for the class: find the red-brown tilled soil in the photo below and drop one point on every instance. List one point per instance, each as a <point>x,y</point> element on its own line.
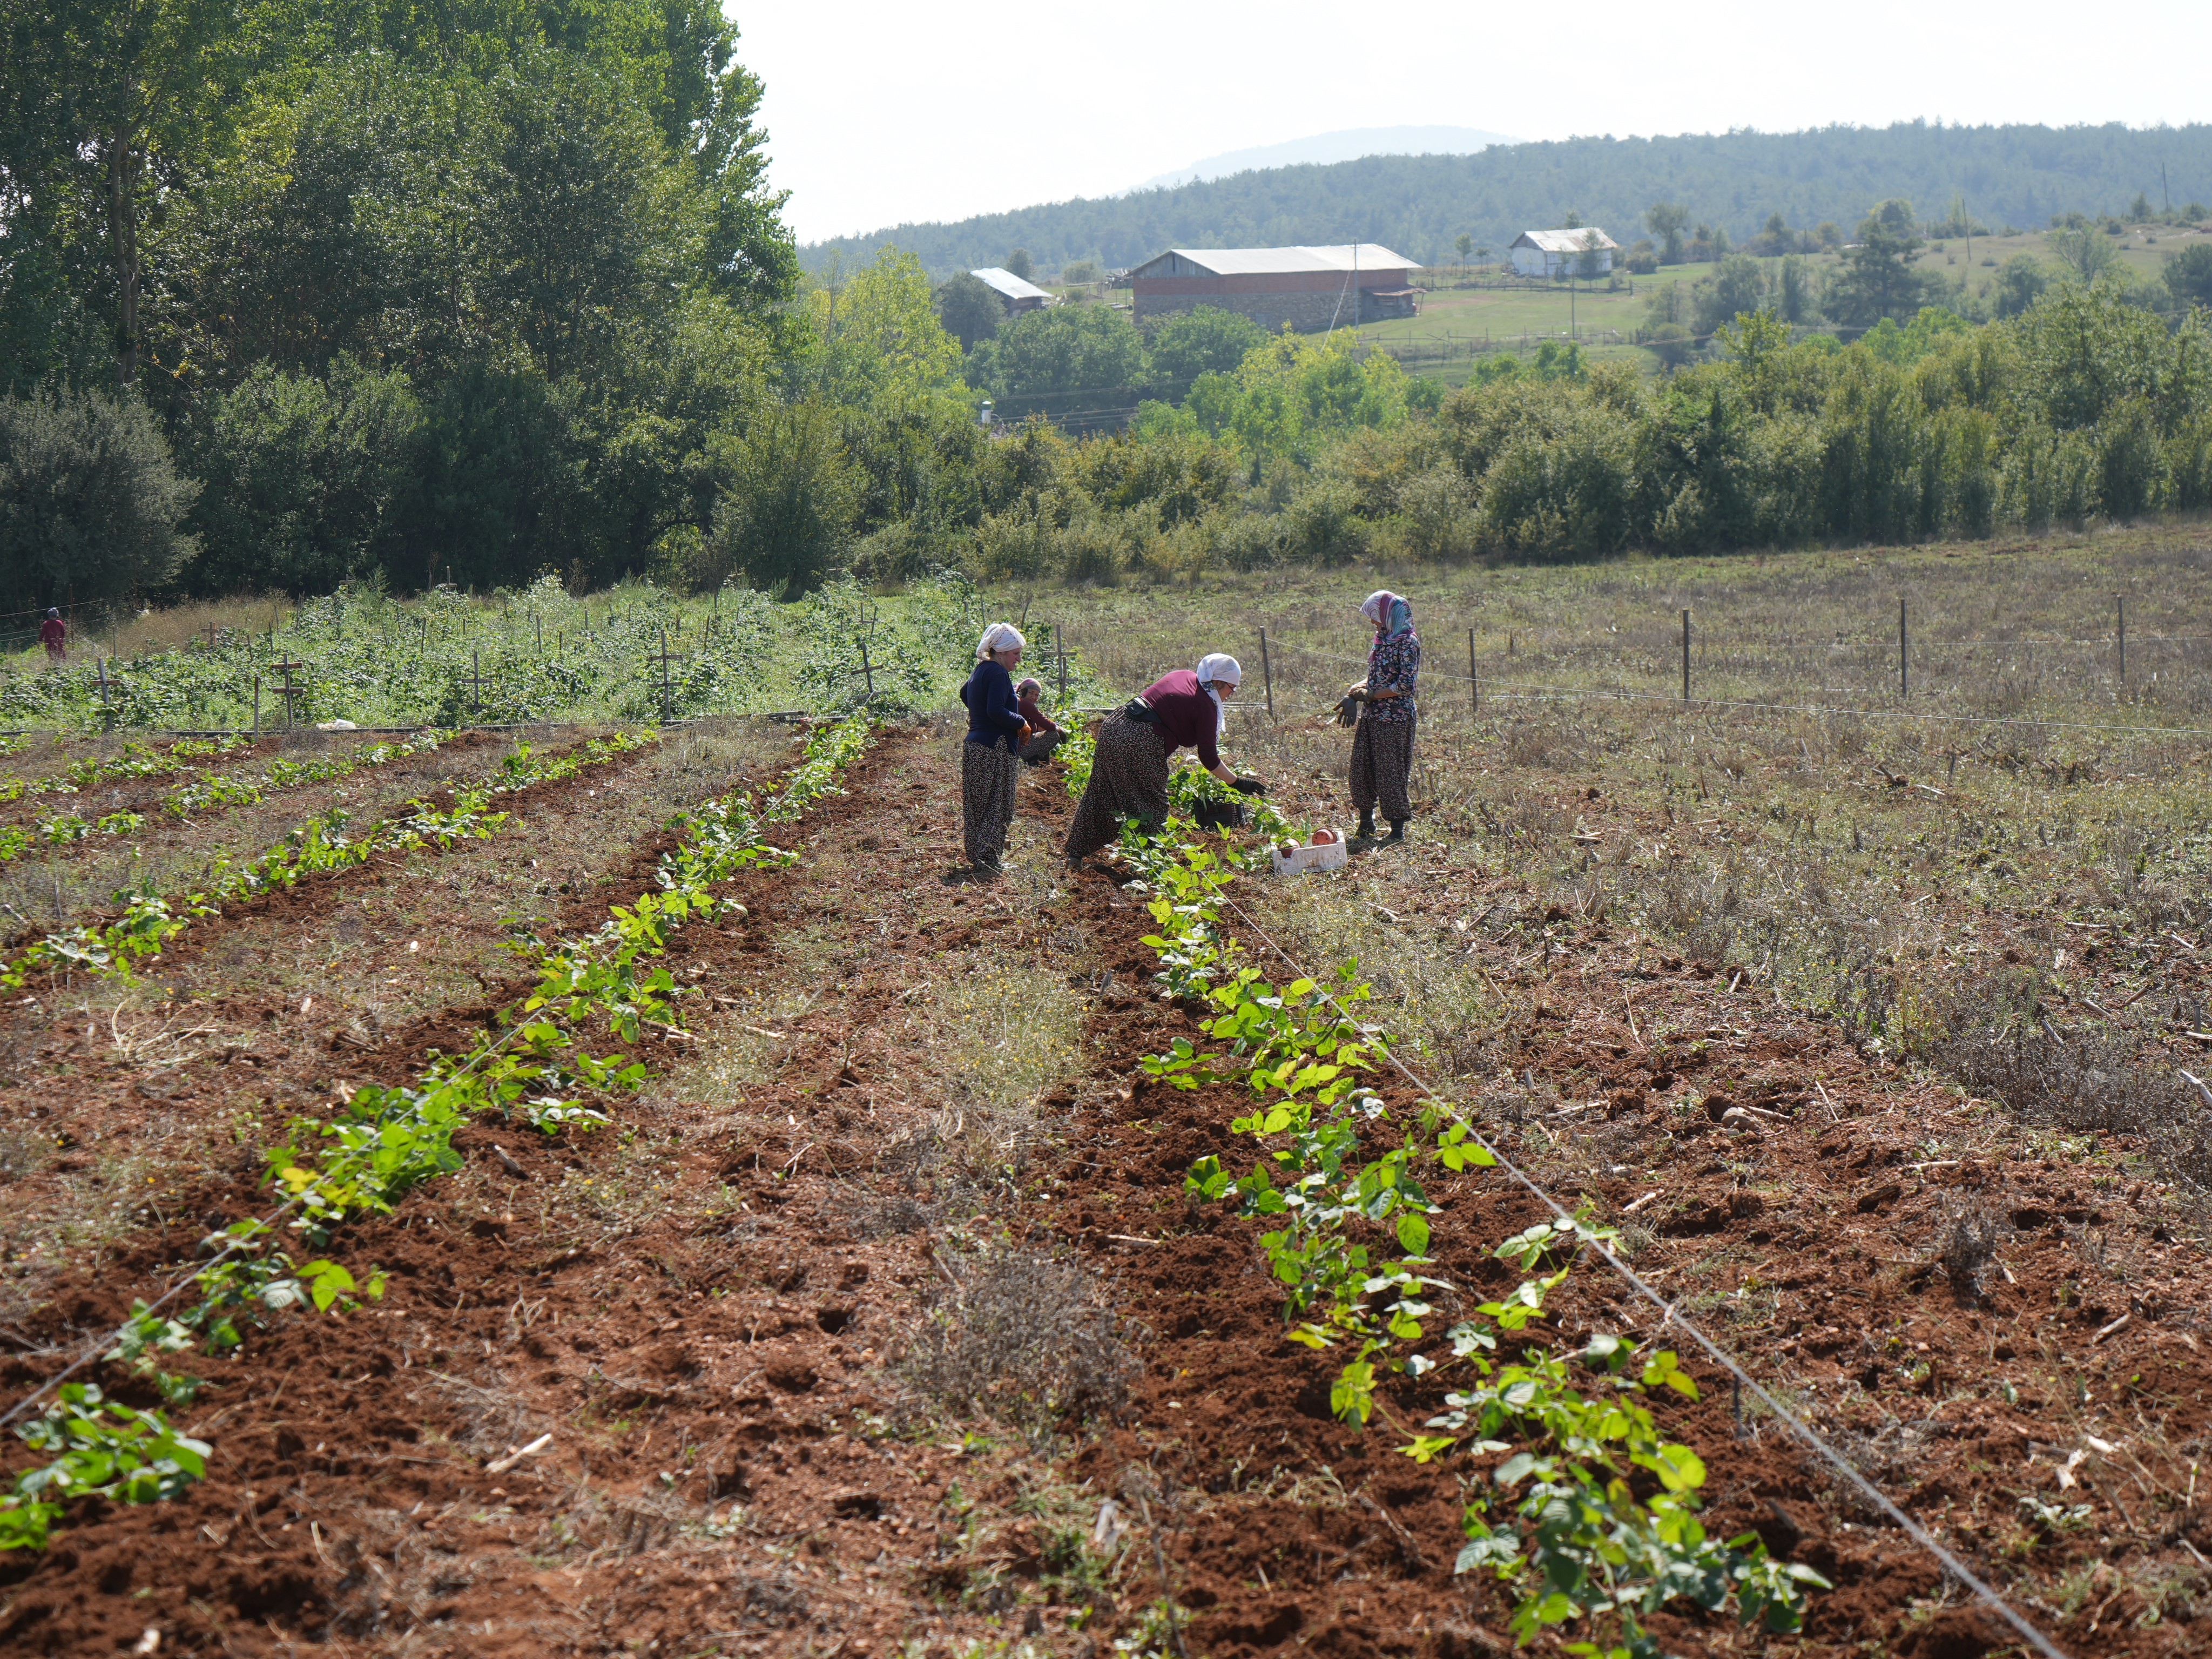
<point>703,1308</point>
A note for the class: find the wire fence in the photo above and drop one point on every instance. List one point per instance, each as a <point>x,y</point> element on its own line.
<point>1914,704</point>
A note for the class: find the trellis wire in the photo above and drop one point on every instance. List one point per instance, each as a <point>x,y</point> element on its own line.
<point>1797,1426</point>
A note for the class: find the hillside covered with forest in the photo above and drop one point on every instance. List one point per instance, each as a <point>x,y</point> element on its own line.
<point>1422,204</point>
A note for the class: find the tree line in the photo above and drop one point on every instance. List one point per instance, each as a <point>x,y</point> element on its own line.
<point>288,293</point>
<point>1733,182</point>
<point>1875,282</point>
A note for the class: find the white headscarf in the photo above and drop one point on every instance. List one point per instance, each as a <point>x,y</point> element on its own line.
<point>1225,668</point>
<point>999,637</point>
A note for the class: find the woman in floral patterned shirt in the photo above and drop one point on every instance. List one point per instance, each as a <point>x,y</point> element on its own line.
<point>1382,743</point>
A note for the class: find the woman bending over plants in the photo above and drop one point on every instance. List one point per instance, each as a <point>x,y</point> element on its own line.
<point>1382,743</point>
<point>990,760</point>
<point>1186,708</point>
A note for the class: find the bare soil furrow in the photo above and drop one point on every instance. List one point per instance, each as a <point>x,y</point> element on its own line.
<point>879,1322</point>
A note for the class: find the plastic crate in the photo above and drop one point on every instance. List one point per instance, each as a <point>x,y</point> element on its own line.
<point>1328,855</point>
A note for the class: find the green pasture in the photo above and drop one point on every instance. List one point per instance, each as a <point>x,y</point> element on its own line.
<point>1604,315</point>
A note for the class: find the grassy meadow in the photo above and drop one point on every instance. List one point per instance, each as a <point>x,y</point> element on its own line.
<point>1461,304</point>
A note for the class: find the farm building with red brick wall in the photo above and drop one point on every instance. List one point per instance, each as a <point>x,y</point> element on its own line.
<point>1308,287</point>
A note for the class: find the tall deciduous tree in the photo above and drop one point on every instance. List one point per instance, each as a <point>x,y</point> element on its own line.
<point>2189,275</point>
<point>107,108</point>
<point>2084,251</point>
<point>1667,221</point>
<point>969,310</point>
<point>1878,279</point>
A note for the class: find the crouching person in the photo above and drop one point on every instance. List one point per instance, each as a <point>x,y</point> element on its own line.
<point>1042,733</point>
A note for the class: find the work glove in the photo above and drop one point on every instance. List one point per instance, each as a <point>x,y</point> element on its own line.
<point>1250,787</point>
<point>1348,712</point>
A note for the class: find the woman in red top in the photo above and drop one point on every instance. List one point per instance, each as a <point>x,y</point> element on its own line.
<point>1185,709</point>
<point>53,634</point>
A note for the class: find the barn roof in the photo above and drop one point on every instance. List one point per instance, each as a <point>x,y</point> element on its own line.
<point>1565,241</point>
<point>1006,285</point>
<point>1280,261</point>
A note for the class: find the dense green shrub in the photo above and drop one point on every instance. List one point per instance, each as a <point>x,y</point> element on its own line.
<point>307,477</point>
<point>91,505</point>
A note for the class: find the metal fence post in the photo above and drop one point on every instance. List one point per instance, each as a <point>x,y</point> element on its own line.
<point>1268,673</point>
<point>1686,656</point>
<point>1904,677</point>
<point>2121,605</point>
<point>1473,686</point>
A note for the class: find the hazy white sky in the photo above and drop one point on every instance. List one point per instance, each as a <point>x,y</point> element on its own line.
<point>880,112</point>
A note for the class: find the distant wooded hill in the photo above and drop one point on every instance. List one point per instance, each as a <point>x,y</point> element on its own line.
<point>1421,204</point>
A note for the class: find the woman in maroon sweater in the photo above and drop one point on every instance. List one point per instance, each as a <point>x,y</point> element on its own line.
<point>1184,709</point>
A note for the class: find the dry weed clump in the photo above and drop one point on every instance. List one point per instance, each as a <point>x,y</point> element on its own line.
<point>1994,1036</point>
<point>1024,1337</point>
<point>1967,1242</point>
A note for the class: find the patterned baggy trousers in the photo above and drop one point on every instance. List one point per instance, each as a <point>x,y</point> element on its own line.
<point>1382,763</point>
<point>987,779</point>
<point>1128,779</point>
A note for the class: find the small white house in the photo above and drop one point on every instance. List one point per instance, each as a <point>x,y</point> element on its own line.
<point>1561,252</point>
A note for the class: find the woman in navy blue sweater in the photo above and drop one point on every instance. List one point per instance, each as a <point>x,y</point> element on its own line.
<point>990,761</point>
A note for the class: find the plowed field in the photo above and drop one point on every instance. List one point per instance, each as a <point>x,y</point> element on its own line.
<point>877,1320</point>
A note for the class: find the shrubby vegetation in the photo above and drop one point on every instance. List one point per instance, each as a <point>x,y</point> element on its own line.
<point>2084,407</point>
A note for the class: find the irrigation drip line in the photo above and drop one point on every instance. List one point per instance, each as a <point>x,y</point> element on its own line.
<point>1524,692</point>
<point>166,1297</point>
<point>1804,1430</point>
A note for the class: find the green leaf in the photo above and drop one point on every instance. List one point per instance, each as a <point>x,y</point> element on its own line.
<point>1678,1468</point>
<point>1412,1233</point>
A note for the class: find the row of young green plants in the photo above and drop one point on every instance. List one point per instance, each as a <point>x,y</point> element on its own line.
<point>605,986</point>
<point>1595,1512</point>
<point>137,760</point>
<point>317,846</point>
<point>213,791</point>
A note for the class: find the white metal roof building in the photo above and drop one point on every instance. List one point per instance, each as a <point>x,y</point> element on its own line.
<point>1307,288</point>
<point>1018,294</point>
<point>1561,252</point>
